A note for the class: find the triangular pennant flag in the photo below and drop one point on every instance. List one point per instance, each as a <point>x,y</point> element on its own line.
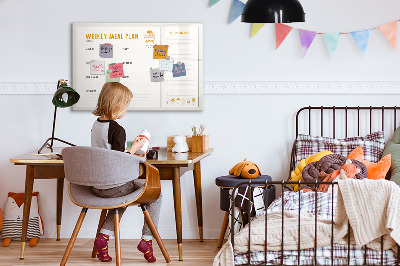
<point>256,28</point>
<point>332,41</point>
<point>361,37</point>
<point>390,32</point>
<point>237,9</point>
<point>281,31</point>
<point>306,39</point>
<point>213,2</point>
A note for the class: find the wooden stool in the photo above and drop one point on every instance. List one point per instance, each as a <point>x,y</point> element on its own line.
<point>226,183</point>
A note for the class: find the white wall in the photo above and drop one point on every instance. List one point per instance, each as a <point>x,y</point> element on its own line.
<point>35,46</point>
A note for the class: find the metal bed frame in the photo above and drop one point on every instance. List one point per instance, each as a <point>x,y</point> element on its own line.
<point>283,184</point>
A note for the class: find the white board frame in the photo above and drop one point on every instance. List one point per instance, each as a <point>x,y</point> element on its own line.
<point>75,26</point>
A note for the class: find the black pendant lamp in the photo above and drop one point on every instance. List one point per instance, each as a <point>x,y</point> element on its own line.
<point>273,11</point>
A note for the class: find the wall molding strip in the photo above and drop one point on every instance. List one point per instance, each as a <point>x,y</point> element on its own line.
<point>251,87</point>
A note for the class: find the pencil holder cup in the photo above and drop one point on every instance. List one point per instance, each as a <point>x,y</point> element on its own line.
<point>200,143</point>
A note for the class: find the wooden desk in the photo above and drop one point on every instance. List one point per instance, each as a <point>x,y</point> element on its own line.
<point>171,167</point>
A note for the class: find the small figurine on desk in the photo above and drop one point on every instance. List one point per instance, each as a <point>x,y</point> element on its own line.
<point>180,144</point>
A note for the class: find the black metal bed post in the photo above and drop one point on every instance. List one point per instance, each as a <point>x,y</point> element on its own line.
<point>315,221</point>
<point>298,238</point>
<point>249,220</point>
<point>283,211</point>
<point>266,221</point>
<point>333,192</point>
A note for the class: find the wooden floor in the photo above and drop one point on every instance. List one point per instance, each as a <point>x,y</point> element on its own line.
<point>50,252</point>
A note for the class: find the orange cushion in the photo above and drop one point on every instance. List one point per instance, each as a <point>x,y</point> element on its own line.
<point>375,170</point>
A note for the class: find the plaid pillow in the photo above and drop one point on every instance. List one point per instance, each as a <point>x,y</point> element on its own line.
<point>372,145</point>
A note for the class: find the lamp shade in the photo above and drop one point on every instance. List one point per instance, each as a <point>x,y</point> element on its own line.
<point>65,96</point>
<point>273,11</point>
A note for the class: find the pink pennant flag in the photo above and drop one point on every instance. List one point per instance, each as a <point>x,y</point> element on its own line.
<point>281,31</point>
<point>389,30</point>
<point>306,39</point>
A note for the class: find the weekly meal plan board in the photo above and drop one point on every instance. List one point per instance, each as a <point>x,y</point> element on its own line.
<point>161,63</point>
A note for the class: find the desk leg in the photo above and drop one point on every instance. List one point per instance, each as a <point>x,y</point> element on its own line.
<point>197,189</point>
<point>176,182</point>
<point>60,190</point>
<point>27,206</point>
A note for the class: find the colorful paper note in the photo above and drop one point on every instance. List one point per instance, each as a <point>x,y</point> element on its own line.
<point>156,75</point>
<point>110,79</point>
<point>281,31</point>
<point>117,70</point>
<point>106,50</point>
<point>179,70</point>
<point>389,30</point>
<point>306,39</point>
<point>237,9</point>
<point>166,64</point>
<point>97,68</point>
<point>361,38</point>
<point>332,41</point>
<point>160,51</point>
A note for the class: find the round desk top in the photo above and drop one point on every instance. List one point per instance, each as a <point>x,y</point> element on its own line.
<point>230,181</point>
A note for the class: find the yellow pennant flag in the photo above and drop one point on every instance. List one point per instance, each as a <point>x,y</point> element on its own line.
<point>256,28</point>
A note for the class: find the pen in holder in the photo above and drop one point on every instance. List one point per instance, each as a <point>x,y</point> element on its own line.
<point>200,143</point>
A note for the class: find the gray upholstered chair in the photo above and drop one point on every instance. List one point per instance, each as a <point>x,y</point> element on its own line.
<point>85,167</point>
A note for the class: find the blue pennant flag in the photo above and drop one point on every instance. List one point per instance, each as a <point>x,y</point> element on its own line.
<point>237,9</point>
<point>332,41</point>
<point>213,2</point>
<point>361,37</point>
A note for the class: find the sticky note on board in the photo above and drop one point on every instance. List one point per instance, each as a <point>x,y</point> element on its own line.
<point>166,64</point>
<point>97,68</point>
<point>106,50</point>
<point>160,51</point>
<point>156,75</point>
<point>109,79</point>
<point>117,70</point>
<point>179,70</point>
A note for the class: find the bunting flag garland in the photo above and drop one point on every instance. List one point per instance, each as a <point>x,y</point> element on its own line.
<point>281,31</point>
<point>389,30</point>
<point>361,37</point>
<point>332,41</point>
<point>256,27</point>
<point>237,9</point>
<point>306,39</point>
<point>213,2</point>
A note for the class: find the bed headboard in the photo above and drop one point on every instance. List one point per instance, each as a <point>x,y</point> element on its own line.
<point>344,121</point>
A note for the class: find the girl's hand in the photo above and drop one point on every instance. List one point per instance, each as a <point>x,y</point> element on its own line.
<point>137,144</point>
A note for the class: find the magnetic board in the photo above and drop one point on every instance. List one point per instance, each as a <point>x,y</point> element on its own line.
<point>161,63</point>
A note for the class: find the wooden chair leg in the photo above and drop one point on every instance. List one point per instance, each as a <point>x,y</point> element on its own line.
<point>154,230</point>
<point>117,238</point>
<point>73,237</point>
<point>223,229</point>
<point>101,222</point>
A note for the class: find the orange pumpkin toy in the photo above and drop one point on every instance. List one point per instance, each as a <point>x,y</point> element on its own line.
<point>245,169</point>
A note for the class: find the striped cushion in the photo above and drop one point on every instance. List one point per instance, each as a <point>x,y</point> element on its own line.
<point>13,228</point>
<point>372,145</point>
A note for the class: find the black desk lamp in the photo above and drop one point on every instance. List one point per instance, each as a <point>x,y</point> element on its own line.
<point>273,11</point>
<point>64,97</point>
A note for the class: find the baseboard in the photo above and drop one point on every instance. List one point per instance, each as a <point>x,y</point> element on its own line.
<point>247,87</point>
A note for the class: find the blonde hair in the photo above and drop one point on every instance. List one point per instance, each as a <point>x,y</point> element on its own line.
<point>113,97</point>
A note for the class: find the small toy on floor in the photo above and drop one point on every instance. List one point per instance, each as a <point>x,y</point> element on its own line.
<point>13,215</point>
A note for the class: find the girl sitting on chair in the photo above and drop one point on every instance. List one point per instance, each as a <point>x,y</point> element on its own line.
<point>112,104</point>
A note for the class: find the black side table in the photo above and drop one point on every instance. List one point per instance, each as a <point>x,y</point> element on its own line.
<point>226,183</point>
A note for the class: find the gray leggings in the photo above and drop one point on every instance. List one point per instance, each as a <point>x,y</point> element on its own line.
<point>154,208</point>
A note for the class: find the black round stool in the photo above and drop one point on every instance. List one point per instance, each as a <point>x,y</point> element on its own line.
<point>228,182</point>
